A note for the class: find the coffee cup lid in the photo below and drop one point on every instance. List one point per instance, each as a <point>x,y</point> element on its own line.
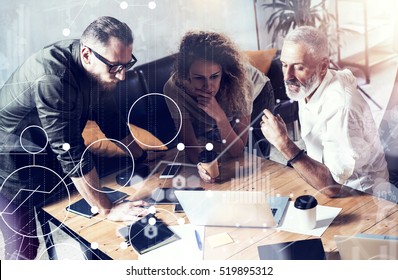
<point>305,202</point>
<point>207,156</point>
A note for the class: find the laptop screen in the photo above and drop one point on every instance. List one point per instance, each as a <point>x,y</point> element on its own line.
<point>367,247</point>
<point>232,208</point>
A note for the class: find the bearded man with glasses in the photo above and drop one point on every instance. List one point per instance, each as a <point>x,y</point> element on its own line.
<point>44,107</point>
<point>344,151</point>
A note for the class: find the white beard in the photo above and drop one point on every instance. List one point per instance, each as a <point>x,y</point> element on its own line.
<point>304,89</point>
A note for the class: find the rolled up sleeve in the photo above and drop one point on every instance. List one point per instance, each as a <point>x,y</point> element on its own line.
<point>338,153</point>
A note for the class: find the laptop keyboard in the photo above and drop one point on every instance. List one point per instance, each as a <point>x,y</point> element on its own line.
<point>274,211</point>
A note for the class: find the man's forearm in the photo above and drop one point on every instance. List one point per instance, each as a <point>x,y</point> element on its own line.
<point>313,172</point>
<point>89,187</point>
<point>132,145</point>
<point>317,175</point>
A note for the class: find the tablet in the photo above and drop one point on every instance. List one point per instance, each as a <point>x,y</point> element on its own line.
<point>81,207</point>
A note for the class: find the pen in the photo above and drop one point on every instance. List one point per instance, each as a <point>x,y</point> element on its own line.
<point>198,240</point>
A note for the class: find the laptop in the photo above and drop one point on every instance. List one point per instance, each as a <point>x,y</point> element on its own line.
<point>367,247</point>
<point>232,208</point>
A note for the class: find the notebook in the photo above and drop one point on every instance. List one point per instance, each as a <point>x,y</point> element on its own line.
<point>307,249</point>
<point>144,237</point>
<point>81,207</point>
<point>232,208</point>
<point>367,247</point>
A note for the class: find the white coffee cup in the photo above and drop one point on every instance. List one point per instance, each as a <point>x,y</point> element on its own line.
<point>305,209</point>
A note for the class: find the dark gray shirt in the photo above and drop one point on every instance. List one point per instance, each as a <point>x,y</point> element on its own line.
<point>44,107</point>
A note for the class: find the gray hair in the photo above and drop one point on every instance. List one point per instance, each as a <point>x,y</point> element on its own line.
<point>315,40</point>
<point>104,28</point>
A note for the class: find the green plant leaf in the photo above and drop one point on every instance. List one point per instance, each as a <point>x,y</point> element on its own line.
<point>287,15</point>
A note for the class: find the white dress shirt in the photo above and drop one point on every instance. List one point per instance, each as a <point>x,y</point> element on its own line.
<point>338,130</point>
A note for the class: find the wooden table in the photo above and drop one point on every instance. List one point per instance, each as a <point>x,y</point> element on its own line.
<point>361,213</point>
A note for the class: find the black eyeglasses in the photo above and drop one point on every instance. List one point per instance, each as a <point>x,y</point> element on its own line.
<point>115,68</point>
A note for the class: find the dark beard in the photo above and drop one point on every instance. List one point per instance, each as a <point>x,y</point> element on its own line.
<point>98,86</point>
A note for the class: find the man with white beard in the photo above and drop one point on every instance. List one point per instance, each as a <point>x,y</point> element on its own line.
<point>337,127</point>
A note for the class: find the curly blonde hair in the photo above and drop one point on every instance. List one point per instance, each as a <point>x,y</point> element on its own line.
<point>216,48</point>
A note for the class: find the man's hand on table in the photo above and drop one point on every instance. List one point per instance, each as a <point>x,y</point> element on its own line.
<point>128,211</point>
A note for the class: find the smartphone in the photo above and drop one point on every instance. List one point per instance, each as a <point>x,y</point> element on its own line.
<point>170,171</point>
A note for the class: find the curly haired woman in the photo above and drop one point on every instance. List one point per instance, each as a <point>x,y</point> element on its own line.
<point>214,87</point>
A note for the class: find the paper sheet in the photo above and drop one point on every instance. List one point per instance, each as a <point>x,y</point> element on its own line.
<point>324,217</point>
<point>219,239</point>
<point>185,249</point>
